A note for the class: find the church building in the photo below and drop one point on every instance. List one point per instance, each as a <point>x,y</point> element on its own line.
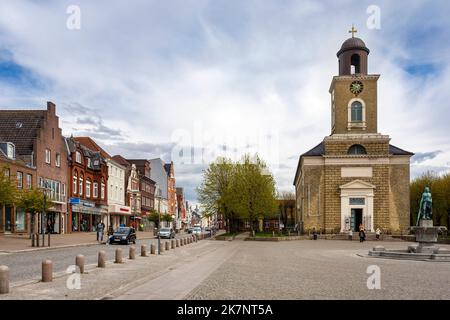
<point>354,176</point>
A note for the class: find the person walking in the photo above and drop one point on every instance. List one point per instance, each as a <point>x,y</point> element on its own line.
<point>100,228</point>
<point>378,233</point>
<point>362,235</point>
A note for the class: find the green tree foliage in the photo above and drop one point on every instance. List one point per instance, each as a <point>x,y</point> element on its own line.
<point>8,189</point>
<point>154,217</point>
<point>32,201</point>
<point>440,190</point>
<point>166,217</point>
<point>243,190</point>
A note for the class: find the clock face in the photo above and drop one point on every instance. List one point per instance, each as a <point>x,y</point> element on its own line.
<point>356,87</point>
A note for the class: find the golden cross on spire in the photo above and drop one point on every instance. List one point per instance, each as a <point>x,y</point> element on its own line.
<point>353,31</point>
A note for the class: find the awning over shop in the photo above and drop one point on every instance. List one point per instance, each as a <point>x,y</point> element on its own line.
<point>88,210</point>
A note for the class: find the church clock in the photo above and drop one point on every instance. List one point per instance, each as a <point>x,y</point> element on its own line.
<point>356,87</point>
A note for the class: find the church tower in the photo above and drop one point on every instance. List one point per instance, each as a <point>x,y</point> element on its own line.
<point>354,177</point>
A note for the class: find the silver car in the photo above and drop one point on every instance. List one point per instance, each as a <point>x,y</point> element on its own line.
<point>166,233</point>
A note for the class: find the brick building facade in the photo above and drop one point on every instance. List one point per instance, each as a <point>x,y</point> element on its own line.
<point>38,143</point>
<point>88,188</point>
<point>354,176</point>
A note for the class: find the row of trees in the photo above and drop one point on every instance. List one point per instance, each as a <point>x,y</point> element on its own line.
<point>238,190</point>
<point>440,189</point>
<point>29,200</point>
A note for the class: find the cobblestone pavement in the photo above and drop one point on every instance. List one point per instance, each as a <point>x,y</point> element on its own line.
<point>27,265</point>
<point>323,269</point>
<point>306,269</point>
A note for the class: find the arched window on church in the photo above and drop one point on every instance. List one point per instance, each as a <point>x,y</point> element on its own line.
<point>357,112</point>
<point>355,62</point>
<point>356,149</point>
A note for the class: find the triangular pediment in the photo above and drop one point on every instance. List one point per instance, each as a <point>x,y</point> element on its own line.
<point>358,184</point>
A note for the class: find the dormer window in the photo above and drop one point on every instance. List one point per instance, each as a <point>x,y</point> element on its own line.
<point>78,157</point>
<point>10,150</point>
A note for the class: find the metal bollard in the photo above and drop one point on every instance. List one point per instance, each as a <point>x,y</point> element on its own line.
<point>48,239</point>
<point>167,244</point>
<point>143,250</point>
<point>118,256</point>
<point>47,271</point>
<point>177,242</point>
<point>172,246</point>
<point>132,254</point>
<point>33,242</point>
<point>101,259</point>
<point>4,279</point>
<point>152,249</point>
<point>79,262</point>
<point>37,240</point>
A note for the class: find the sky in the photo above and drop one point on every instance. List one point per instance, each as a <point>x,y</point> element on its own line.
<point>192,80</point>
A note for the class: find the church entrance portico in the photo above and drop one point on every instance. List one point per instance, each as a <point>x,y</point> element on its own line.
<point>357,206</point>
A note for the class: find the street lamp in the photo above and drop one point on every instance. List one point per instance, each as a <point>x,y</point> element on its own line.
<point>158,191</point>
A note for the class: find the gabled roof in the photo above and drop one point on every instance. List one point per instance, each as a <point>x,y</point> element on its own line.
<point>91,144</point>
<point>357,184</point>
<point>399,152</point>
<point>21,127</point>
<point>121,160</point>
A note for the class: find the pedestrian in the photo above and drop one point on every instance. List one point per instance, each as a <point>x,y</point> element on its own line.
<point>362,235</point>
<point>100,228</point>
<point>378,233</point>
<point>361,227</point>
<point>314,234</point>
<point>350,235</point>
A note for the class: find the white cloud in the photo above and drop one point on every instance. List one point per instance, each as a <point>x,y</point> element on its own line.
<point>150,68</point>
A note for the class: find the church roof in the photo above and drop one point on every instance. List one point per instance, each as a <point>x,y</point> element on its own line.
<point>399,152</point>
<point>319,150</point>
<point>352,44</point>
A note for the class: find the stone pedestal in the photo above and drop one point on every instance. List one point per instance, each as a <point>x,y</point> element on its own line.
<point>426,236</point>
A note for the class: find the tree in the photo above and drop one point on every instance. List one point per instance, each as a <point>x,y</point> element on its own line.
<point>8,189</point>
<point>252,194</point>
<point>32,201</point>
<point>286,203</point>
<point>440,190</point>
<point>214,187</point>
<point>154,217</point>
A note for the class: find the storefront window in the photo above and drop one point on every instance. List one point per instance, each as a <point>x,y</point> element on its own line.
<point>20,219</point>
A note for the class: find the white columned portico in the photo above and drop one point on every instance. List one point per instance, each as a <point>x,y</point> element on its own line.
<point>357,194</point>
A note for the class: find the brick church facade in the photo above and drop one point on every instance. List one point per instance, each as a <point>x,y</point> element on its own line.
<point>354,176</point>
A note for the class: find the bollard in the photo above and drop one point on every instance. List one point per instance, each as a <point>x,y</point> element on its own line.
<point>167,245</point>
<point>48,239</point>
<point>152,249</point>
<point>33,242</point>
<point>47,271</point>
<point>143,250</point>
<point>118,256</point>
<point>161,247</point>
<point>132,254</point>
<point>177,242</point>
<point>172,244</point>
<point>181,242</point>
<point>101,259</point>
<point>196,238</point>
<point>184,241</point>
<point>4,279</point>
<point>79,262</point>
<point>37,240</point>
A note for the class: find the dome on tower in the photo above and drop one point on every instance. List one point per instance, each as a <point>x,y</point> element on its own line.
<point>353,44</point>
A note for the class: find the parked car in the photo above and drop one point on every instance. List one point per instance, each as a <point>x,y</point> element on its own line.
<point>189,230</point>
<point>123,235</point>
<point>197,230</point>
<point>166,233</point>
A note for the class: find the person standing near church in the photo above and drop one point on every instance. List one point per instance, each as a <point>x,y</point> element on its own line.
<point>378,233</point>
<point>362,235</point>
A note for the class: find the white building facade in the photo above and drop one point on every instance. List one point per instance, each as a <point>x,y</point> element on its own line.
<point>118,212</point>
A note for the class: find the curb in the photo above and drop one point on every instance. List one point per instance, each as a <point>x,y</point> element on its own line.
<point>88,244</point>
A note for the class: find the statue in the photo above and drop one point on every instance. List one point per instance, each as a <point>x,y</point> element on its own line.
<point>425,206</point>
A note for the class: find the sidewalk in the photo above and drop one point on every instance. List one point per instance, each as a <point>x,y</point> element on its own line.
<point>14,243</point>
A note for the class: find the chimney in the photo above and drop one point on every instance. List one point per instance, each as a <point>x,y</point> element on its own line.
<point>51,107</point>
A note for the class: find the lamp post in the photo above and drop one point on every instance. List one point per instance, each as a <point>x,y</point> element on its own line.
<point>159,217</point>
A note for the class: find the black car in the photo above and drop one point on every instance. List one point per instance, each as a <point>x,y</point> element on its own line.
<point>123,235</point>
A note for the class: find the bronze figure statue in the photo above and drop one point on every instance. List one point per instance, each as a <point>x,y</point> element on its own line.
<point>425,206</point>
